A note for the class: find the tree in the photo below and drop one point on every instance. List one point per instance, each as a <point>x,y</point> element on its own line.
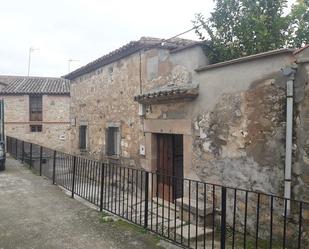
<point>299,24</point>
<point>238,28</point>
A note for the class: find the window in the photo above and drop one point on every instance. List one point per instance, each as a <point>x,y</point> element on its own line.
<point>36,128</point>
<point>113,141</point>
<point>83,137</point>
<point>35,108</point>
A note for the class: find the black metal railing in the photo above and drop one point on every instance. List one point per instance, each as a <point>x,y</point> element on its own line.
<point>205,215</point>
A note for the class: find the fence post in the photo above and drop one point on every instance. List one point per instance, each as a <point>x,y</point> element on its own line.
<point>146,199</point>
<point>54,168</point>
<point>102,186</point>
<point>6,143</point>
<point>73,181</point>
<point>16,143</point>
<point>11,146</point>
<point>22,151</point>
<point>41,151</point>
<point>30,155</point>
<point>223,217</point>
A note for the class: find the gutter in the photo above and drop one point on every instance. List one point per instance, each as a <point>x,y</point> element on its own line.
<point>290,72</point>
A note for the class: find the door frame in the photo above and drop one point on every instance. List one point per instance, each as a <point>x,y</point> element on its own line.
<point>169,126</point>
<point>170,150</point>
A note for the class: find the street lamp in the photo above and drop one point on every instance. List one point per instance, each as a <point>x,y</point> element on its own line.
<point>31,50</point>
<point>69,64</point>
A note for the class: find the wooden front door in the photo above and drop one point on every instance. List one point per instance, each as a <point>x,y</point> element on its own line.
<point>169,164</point>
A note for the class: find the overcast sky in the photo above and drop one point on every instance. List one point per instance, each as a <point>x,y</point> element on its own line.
<point>84,29</point>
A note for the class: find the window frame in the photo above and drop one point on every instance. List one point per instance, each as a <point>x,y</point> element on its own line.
<point>37,126</point>
<point>114,131</point>
<point>36,108</point>
<point>85,143</point>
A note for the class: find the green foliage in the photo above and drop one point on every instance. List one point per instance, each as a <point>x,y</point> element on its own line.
<point>238,28</point>
<point>299,24</point>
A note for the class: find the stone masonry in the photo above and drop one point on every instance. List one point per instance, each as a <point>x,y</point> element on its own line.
<point>55,120</point>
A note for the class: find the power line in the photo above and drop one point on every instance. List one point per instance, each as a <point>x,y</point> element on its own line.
<point>182,33</point>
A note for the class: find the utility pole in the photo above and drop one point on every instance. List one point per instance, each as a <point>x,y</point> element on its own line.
<point>69,64</point>
<point>31,50</point>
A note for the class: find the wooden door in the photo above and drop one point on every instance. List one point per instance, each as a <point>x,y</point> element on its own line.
<point>169,164</point>
<point>165,166</point>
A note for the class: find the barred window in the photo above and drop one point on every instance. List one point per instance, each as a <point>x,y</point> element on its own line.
<point>36,128</point>
<point>113,141</point>
<point>83,137</point>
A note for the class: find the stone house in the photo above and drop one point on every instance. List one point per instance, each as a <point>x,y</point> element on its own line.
<point>223,123</point>
<point>37,110</point>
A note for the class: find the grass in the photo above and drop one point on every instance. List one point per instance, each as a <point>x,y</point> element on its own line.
<point>131,227</point>
<point>106,218</point>
<point>125,226</point>
<point>250,242</point>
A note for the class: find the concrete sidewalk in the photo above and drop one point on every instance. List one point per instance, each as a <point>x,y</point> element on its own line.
<point>36,214</point>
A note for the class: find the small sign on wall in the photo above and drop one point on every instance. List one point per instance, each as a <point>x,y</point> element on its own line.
<point>73,121</point>
<point>62,137</point>
<point>142,150</point>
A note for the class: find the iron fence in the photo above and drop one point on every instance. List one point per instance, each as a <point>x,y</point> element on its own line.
<point>205,215</point>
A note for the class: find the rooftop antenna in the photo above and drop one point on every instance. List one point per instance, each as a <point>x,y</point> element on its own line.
<point>31,50</point>
<point>69,64</point>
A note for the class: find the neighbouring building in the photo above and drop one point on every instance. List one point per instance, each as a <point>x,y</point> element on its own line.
<point>223,123</point>
<point>37,110</point>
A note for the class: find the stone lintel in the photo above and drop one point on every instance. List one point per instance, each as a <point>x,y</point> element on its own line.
<point>171,126</point>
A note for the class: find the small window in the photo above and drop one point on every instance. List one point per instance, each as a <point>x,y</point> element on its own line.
<point>36,128</point>
<point>83,137</point>
<point>113,141</point>
<point>110,70</point>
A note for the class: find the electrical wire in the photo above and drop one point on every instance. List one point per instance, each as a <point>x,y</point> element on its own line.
<point>182,33</point>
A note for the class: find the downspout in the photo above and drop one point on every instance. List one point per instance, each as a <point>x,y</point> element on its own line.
<point>290,72</point>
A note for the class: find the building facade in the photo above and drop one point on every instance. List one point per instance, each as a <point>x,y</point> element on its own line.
<point>159,106</point>
<point>36,109</point>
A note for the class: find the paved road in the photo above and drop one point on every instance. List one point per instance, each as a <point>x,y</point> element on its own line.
<point>38,215</point>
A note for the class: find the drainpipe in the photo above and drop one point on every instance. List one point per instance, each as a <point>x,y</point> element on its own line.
<point>290,72</point>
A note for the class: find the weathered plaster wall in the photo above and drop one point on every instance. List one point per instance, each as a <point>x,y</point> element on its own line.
<point>238,136</point>
<point>300,167</point>
<point>55,120</point>
<point>238,124</point>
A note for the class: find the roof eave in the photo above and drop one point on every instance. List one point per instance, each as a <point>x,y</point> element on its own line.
<point>31,93</point>
<point>95,65</point>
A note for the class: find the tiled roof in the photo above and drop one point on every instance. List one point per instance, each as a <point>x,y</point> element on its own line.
<point>132,47</point>
<point>34,85</point>
<point>169,92</point>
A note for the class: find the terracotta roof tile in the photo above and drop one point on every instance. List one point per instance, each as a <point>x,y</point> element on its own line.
<point>34,85</point>
<point>168,92</point>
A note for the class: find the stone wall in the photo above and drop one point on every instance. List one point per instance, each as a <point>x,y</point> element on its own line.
<point>106,96</point>
<point>55,120</point>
